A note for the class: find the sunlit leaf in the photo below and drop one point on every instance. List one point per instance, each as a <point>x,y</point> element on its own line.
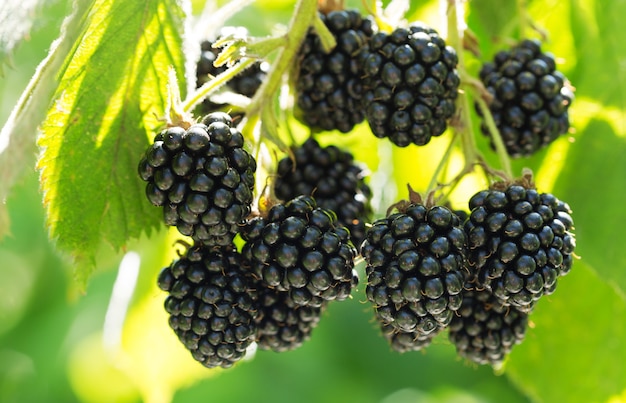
<point>592,182</point>
<point>17,137</point>
<point>599,43</point>
<point>111,90</point>
<point>576,347</point>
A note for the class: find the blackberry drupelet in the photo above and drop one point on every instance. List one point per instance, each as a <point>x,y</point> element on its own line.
<point>411,85</point>
<point>299,248</point>
<point>202,177</point>
<point>210,304</point>
<point>332,178</point>
<point>519,242</point>
<point>403,342</point>
<point>328,87</point>
<point>282,325</point>
<point>485,331</point>
<point>530,98</point>
<point>415,267</point>
<point>245,83</point>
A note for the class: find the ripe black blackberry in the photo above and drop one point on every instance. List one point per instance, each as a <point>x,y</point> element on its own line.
<point>328,86</point>
<point>415,267</point>
<point>245,83</point>
<point>210,304</point>
<point>519,242</point>
<point>202,177</point>
<point>331,176</point>
<point>282,325</point>
<point>299,248</point>
<point>411,84</point>
<point>403,342</point>
<point>530,98</point>
<point>485,331</point>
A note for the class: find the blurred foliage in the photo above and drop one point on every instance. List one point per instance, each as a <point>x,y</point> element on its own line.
<point>59,344</point>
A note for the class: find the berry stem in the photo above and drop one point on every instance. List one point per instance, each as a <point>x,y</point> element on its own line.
<point>327,38</point>
<point>302,19</point>
<point>212,85</point>
<point>505,161</point>
<point>443,162</point>
<point>175,113</point>
<point>464,125</point>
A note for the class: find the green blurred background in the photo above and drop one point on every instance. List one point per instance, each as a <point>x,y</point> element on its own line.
<point>58,344</point>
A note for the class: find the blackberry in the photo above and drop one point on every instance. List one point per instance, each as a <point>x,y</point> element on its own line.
<point>202,177</point>
<point>519,243</point>
<point>282,325</point>
<point>245,83</point>
<point>299,248</point>
<point>331,176</point>
<point>328,86</point>
<point>403,342</point>
<point>530,98</point>
<point>411,84</point>
<point>210,304</point>
<point>415,267</point>
<point>484,331</point>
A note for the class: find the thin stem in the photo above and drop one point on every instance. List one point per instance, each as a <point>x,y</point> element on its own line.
<point>327,39</point>
<point>505,161</point>
<point>212,85</point>
<point>464,127</point>
<point>442,163</point>
<point>302,19</point>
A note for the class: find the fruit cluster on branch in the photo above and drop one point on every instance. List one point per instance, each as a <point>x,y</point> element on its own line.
<point>477,273</point>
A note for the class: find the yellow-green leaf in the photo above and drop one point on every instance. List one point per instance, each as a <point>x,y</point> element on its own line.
<point>111,89</point>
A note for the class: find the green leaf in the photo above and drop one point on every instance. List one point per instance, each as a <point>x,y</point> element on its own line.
<point>592,182</point>
<point>17,138</point>
<point>576,347</point>
<point>111,90</point>
<point>599,38</point>
<point>492,21</point>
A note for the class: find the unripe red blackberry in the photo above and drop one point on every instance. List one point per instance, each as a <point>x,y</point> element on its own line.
<point>331,176</point>
<point>483,330</point>
<point>328,86</point>
<point>282,325</point>
<point>530,98</point>
<point>210,304</point>
<point>411,84</point>
<point>415,267</point>
<point>519,242</point>
<point>202,177</point>
<point>299,248</point>
<point>245,83</point>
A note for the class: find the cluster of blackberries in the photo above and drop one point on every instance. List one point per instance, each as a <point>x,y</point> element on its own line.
<point>404,83</point>
<point>428,270</point>
<point>333,178</point>
<point>530,98</point>
<point>295,259</point>
<point>478,274</point>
